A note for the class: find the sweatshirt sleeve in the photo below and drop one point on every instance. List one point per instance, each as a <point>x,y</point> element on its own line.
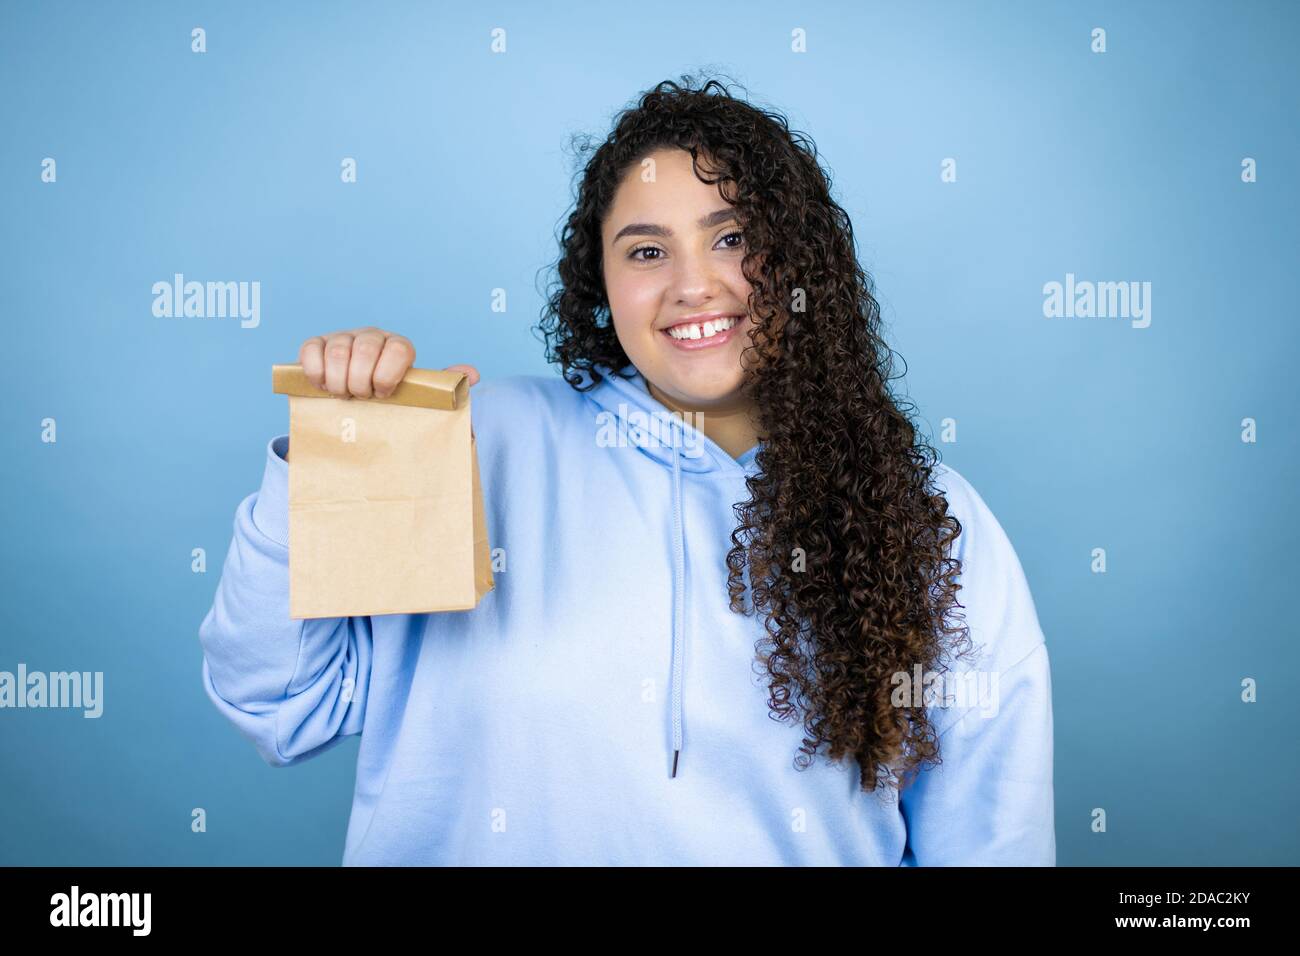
<point>294,688</point>
<point>989,802</point>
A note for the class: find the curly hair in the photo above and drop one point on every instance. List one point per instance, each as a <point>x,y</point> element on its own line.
<point>845,543</point>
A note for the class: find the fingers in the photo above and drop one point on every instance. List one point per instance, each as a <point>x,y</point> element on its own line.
<point>470,371</point>
<point>367,344</point>
<point>338,357</point>
<point>395,360</point>
<point>363,363</point>
<point>312,359</point>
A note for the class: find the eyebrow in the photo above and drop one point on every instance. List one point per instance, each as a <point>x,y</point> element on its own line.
<point>715,218</point>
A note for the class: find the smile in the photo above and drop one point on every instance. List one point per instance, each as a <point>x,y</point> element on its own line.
<point>705,334</point>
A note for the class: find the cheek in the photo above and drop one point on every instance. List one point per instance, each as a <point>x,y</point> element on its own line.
<point>634,305</point>
<point>740,287</point>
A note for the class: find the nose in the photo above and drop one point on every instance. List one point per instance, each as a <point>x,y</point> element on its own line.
<point>696,279</point>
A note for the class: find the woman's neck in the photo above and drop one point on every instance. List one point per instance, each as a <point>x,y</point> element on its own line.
<point>731,427</point>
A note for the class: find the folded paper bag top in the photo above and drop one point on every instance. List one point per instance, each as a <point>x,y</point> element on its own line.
<point>386,511</point>
<point>421,387</point>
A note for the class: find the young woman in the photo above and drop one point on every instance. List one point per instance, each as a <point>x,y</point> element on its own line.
<point>727,629</point>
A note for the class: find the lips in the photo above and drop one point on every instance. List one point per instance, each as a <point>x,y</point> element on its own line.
<point>705,331</point>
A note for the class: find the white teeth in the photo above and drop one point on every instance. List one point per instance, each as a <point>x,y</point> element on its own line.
<point>707,329</point>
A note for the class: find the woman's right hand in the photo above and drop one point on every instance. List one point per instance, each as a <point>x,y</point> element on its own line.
<point>362,363</point>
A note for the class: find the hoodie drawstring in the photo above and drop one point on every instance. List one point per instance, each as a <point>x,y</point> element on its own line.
<point>626,400</point>
<point>679,605</point>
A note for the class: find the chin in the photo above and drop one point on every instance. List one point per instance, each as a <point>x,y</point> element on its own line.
<point>700,387</point>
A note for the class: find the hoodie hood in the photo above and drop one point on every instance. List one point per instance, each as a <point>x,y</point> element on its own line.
<point>629,415</point>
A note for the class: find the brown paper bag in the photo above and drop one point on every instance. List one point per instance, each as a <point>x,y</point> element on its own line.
<point>385,509</point>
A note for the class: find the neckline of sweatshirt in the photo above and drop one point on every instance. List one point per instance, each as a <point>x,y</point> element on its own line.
<point>626,397</point>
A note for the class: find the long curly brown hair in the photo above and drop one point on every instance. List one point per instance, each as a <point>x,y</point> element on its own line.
<point>845,543</point>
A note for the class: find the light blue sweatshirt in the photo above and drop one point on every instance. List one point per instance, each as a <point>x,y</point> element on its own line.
<point>543,726</point>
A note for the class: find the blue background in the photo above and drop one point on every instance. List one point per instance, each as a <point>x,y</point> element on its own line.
<point>1079,433</point>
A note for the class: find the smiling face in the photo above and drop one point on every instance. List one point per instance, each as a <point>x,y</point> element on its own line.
<point>677,296</point>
